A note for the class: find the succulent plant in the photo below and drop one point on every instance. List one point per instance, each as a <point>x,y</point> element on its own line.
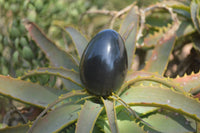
<point>147,100</point>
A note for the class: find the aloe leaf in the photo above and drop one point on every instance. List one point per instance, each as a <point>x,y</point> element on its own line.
<point>127,126</point>
<point>152,40</point>
<point>198,127</point>
<point>184,29</point>
<point>159,59</point>
<point>70,75</point>
<point>57,119</point>
<point>125,117</point>
<point>131,39</point>
<point>170,122</point>
<point>163,97</point>
<point>56,56</point>
<point>195,90</point>
<point>79,40</point>
<point>88,116</point>
<point>130,18</point>
<point>26,92</point>
<point>142,111</point>
<point>15,129</point>
<point>111,114</point>
<point>141,76</point>
<point>194,10</point>
<point>180,8</point>
<point>189,81</point>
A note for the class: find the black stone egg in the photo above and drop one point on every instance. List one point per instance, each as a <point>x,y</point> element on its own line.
<point>104,63</point>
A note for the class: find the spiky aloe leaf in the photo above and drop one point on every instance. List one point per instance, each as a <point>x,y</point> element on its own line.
<point>195,91</point>
<point>189,81</point>
<point>152,40</point>
<point>171,122</point>
<point>70,75</point>
<point>159,59</point>
<point>184,29</point>
<point>126,126</point>
<point>60,100</point>
<point>131,22</point>
<point>111,114</point>
<point>163,97</point>
<point>198,127</point>
<point>56,56</point>
<point>138,76</point>
<point>125,117</point>
<point>180,8</point>
<point>79,40</point>
<point>88,116</point>
<point>57,119</point>
<point>16,129</point>
<point>26,92</point>
<point>194,10</point>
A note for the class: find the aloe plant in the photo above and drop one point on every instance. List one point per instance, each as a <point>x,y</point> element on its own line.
<point>147,101</point>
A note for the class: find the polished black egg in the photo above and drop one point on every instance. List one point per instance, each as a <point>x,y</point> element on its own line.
<point>104,63</point>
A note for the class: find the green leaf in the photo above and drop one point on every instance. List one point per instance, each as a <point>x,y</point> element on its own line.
<point>125,123</point>
<point>195,90</point>
<point>184,29</point>
<point>160,56</point>
<point>15,129</point>
<point>88,116</point>
<point>142,76</point>
<point>163,97</point>
<point>194,10</point>
<point>130,18</point>
<point>57,57</point>
<point>57,119</point>
<point>152,40</point>
<point>111,114</point>
<point>130,42</point>
<point>189,81</point>
<point>125,116</point>
<point>67,74</point>
<point>26,92</point>
<point>171,122</point>
<point>79,40</point>
<point>180,8</point>
<point>127,126</point>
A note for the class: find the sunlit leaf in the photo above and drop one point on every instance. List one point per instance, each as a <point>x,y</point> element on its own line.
<point>15,129</point>
<point>142,76</point>
<point>26,92</point>
<point>188,82</point>
<point>194,9</point>
<point>127,126</point>
<point>88,116</point>
<point>70,75</point>
<point>162,97</point>
<point>58,119</point>
<point>160,56</point>
<point>111,114</point>
<point>56,56</point>
<point>170,122</point>
<point>131,20</point>
<point>79,40</point>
